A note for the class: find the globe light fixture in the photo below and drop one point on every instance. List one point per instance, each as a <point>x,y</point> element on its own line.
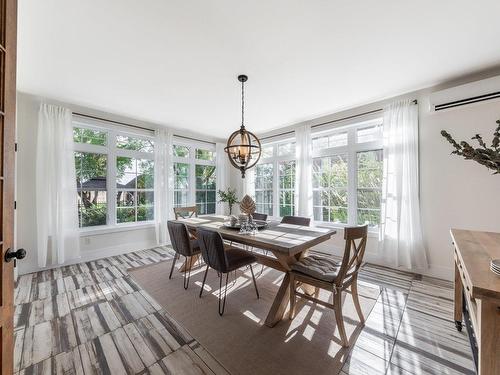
<point>243,147</point>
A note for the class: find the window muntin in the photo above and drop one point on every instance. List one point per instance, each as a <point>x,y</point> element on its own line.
<point>369,189</point>
<point>202,154</point>
<point>205,189</point>
<point>89,136</point>
<point>134,143</point>
<point>286,171</point>
<point>347,174</point>
<point>135,189</point>
<point>181,184</point>
<point>329,141</point>
<point>330,189</point>
<point>264,188</point>
<point>285,149</point>
<point>275,179</point>
<point>369,134</point>
<point>181,151</point>
<point>111,163</point>
<point>194,177</point>
<point>91,185</point>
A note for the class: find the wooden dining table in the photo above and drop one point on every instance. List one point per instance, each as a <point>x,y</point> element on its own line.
<point>287,242</point>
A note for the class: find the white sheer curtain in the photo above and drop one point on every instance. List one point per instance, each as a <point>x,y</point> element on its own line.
<point>58,237</point>
<point>400,229</point>
<point>303,180</point>
<point>163,184</point>
<point>222,175</point>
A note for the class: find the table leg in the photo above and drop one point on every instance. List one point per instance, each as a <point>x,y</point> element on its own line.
<point>458,299</point>
<point>189,263</point>
<point>280,303</point>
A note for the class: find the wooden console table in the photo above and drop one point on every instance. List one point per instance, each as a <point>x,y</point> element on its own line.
<point>479,288</point>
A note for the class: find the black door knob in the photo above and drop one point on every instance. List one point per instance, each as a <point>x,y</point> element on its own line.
<point>19,254</point>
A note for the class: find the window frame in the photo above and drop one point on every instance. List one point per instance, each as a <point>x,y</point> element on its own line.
<point>112,152</point>
<point>275,160</point>
<point>192,162</point>
<point>350,150</point>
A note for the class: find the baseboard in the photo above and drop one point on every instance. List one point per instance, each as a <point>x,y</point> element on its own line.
<point>87,256</point>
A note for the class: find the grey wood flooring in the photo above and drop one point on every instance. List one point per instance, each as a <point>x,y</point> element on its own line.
<point>92,318</point>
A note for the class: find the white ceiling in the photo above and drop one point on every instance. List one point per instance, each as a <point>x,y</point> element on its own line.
<point>176,62</point>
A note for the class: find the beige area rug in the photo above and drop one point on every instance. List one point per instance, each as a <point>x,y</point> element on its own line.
<point>239,340</point>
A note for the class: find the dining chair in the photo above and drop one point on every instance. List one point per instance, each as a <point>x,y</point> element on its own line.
<point>223,259</point>
<point>183,245</point>
<point>296,220</point>
<point>326,273</point>
<point>185,212</point>
<point>261,217</point>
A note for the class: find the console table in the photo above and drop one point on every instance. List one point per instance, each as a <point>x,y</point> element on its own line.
<point>477,295</point>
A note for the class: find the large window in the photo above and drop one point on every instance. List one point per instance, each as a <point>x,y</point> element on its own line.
<point>347,174</point>
<point>110,162</point>
<point>195,176</point>
<point>275,179</point>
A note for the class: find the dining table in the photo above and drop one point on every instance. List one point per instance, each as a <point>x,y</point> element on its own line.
<point>287,243</point>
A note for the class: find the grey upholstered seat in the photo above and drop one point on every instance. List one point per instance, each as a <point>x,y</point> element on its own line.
<point>319,267</point>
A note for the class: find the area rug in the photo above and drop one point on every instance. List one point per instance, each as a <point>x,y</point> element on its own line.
<point>239,340</point>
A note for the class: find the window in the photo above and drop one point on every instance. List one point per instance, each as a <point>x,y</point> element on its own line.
<point>195,176</point>
<point>109,162</point>
<point>369,189</point>
<point>347,174</point>
<point>330,188</point>
<point>275,179</point>
<point>264,188</point>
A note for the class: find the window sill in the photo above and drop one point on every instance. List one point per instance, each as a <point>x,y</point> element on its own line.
<point>373,233</point>
<point>84,232</point>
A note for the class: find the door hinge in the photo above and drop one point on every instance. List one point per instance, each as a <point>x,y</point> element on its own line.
<point>15,205</point>
<point>15,147</point>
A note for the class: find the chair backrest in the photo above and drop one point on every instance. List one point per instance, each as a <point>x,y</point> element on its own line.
<point>296,220</point>
<point>212,249</point>
<point>179,237</point>
<point>355,244</point>
<point>261,217</point>
<point>185,212</point>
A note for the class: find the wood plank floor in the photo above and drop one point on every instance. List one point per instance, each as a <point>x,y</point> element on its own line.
<point>92,318</point>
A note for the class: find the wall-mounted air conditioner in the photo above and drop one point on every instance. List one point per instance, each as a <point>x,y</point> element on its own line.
<point>486,89</point>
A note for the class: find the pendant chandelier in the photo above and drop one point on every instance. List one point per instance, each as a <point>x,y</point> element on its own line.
<point>243,147</point>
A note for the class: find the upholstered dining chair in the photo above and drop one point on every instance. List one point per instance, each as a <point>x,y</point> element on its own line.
<point>185,212</point>
<point>326,273</point>
<point>296,220</point>
<point>183,245</point>
<point>261,217</point>
<point>223,259</point>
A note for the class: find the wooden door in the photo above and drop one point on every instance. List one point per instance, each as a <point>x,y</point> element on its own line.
<point>8,25</point>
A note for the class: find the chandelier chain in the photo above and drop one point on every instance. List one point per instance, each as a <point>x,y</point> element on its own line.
<point>242,104</point>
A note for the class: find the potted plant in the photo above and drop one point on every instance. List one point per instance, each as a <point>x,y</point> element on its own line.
<point>228,196</point>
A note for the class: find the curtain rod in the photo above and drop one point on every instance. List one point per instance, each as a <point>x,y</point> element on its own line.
<point>334,121</point>
<point>194,139</point>
<point>112,121</point>
<point>354,116</point>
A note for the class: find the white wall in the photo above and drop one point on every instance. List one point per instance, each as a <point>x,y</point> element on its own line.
<point>93,245</point>
<point>454,193</point>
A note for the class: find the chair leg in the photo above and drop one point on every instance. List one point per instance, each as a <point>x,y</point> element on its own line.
<point>337,307</point>
<point>173,265</point>
<point>222,300</point>
<point>187,276</point>
<point>355,298</point>
<point>292,297</point>
<point>204,279</point>
<point>254,282</point>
